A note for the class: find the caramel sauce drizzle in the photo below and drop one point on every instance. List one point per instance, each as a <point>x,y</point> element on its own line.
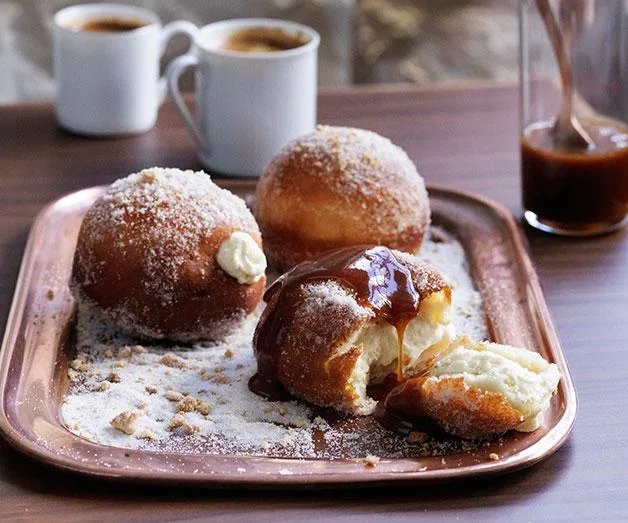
<point>379,280</point>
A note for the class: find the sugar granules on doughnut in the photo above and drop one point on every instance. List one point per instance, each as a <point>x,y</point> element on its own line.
<point>195,398</point>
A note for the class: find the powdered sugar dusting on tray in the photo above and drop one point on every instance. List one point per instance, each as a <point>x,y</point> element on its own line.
<point>195,398</point>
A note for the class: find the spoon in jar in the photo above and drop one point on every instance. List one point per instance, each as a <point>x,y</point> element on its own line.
<point>567,131</point>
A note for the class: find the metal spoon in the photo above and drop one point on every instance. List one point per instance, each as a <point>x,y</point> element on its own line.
<point>567,131</point>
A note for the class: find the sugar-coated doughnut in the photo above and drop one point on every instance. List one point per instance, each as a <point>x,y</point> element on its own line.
<point>339,186</point>
<point>146,257</point>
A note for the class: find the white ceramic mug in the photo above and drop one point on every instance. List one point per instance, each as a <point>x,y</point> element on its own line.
<point>108,82</point>
<point>248,104</point>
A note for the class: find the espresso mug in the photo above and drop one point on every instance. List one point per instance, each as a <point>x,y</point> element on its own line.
<point>106,67</point>
<point>255,91</point>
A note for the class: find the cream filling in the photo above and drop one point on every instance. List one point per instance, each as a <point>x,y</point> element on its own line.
<point>523,377</point>
<point>380,350</point>
<point>241,257</point>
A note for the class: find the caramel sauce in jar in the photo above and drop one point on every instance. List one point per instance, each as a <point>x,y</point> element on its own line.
<point>379,280</point>
<point>575,191</point>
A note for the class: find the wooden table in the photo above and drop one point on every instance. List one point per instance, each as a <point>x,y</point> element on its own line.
<point>463,137</point>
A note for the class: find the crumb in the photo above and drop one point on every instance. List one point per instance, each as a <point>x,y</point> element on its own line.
<point>50,294</point>
<point>180,424</point>
<point>150,389</point>
<point>118,364</point>
<point>146,434</point>
<point>493,456</point>
<point>170,360</point>
<point>222,379</point>
<point>125,352</point>
<point>187,404</point>
<point>73,376</point>
<point>417,437</point>
<point>125,421</point>
<point>229,354</point>
<point>79,365</point>
<point>203,407</point>
<point>138,349</point>
<point>279,409</point>
<point>108,353</point>
<point>104,385</point>
<point>173,396</point>
<point>113,377</point>
<point>141,405</point>
<point>372,461</point>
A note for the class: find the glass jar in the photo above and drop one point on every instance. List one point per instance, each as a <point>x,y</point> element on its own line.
<point>569,186</point>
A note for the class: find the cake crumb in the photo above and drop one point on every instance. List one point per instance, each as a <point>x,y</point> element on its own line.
<point>79,365</point>
<point>170,360</point>
<point>50,294</point>
<point>372,461</point>
<point>108,354</point>
<point>173,396</point>
<point>147,434</point>
<point>113,377</point>
<point>229,354</point>
<point>179,424</point>
<point>104,385</point>
<point>125,421</point>
<point>150,389</point>
<point>125,352</point>
<point>186,404</point>
<point>417,437</point>
<point>493,456</point>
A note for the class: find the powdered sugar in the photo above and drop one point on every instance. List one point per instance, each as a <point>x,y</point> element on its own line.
<point>196,399</point>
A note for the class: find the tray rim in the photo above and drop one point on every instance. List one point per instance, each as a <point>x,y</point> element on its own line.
<point>528,456</point>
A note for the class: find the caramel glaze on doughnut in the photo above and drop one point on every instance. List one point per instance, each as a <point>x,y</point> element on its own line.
<point>304,339</point>
<point>336,187</point>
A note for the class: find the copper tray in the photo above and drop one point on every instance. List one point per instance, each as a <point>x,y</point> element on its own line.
<point>38,343</point>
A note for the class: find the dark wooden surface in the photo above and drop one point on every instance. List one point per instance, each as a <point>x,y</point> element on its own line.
<point>463,137</point>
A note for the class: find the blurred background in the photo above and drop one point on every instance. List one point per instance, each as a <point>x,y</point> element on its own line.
<point>362,41</point>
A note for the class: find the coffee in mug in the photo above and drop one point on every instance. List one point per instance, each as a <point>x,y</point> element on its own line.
<point>255,91</point>
<point>110,25</point>
<point>263,40</point>
<point>106,67</point>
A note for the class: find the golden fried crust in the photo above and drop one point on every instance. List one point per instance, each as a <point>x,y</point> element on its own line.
<point>459,409</point>
<point>152,277</point>
<point>338,187</point>
<point>467,411</point>
<point>310,364</point>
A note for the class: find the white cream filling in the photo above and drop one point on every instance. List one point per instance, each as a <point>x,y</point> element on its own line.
<point>380,350</point>
<point>241,257</point>
<point>523,377</point>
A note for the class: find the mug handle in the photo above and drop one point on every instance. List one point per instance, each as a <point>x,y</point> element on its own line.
<point>176,68</point>
<point>167,32</point>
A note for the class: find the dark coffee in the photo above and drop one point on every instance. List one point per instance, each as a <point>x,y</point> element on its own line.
<point>110,25</point>
<point>263,40</point>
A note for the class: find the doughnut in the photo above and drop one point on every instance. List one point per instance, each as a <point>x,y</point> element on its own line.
<point>331,325</point>
<point>335,187</point>
<point>477,389</point>
<point>167,254</point>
